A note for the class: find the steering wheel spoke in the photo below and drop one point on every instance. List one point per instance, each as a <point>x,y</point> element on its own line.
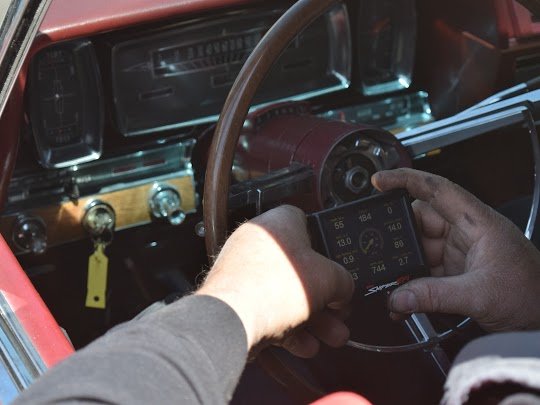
<point>272,188</point>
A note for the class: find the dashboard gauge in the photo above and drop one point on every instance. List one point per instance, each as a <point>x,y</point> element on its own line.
<point>371,242</point>
<point>59,101</point>
<point>66,107</point>
<point>181,75</point>
<point>386,44</point>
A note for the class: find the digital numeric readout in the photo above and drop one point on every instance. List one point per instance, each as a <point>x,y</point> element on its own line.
<point>374,239</point>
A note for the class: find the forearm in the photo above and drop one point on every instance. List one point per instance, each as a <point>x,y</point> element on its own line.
<point>192,351</point>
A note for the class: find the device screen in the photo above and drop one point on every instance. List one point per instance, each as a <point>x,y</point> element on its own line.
<point>374,239</point>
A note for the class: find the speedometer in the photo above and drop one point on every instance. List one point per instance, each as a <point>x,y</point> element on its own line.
<point>181,75</point>
<point>386,44</point>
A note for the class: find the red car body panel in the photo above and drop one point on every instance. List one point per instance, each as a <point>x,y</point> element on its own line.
<point>32,313</point>
<point>67,19</point>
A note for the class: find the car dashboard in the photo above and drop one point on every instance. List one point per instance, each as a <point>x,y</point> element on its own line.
<point>113,116</point>
<point>119,102</point>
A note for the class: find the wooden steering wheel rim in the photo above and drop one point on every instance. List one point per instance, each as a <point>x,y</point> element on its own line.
<point>235,110</point>
<point>220,160</point>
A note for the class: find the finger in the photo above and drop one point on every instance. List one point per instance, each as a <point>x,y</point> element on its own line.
<point>434,252</point>
<point>341,313</point>
<point>329,329</point>
<point>452,202</point>
<point>450,295</point>
<point>335,284</point>
<point>301,344</point>
<point>398,317</point>
<point>287,221</point>
<point>430,223</point>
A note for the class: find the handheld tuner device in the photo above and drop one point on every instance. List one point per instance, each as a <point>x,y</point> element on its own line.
<point>375,239</point>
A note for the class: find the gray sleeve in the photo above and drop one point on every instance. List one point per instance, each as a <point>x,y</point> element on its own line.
<point>515,344</point>
<point>190,352</point>
<point>511,360</point>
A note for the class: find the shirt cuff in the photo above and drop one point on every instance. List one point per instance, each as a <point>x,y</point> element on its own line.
<point>509,358</point>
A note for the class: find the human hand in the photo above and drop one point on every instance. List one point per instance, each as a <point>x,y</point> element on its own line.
<point>483,266</point>
<point>268,273</point>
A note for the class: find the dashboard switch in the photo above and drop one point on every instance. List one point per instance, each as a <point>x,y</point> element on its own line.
<point>30,234</point>
<point>165,203</point>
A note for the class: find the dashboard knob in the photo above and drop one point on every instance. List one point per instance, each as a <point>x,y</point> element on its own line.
<point>30,234</point>
<point>99,220</point>
<point>165,203</point>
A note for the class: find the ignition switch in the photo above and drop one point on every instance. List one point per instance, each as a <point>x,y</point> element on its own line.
<point>99,221</point>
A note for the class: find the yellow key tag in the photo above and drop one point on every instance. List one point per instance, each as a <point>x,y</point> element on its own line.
<point>98,265</point>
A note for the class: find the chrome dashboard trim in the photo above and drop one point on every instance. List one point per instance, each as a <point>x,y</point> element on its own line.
<point>70,163</point>
<point>188,172</point>
<point>469,124</point>
<point>462,131</point>
<point>214,118</point>
<point>28,190</point>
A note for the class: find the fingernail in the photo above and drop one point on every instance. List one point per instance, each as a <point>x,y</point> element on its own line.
<point>403,301</point>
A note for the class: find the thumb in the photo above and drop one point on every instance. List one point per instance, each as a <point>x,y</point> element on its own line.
<point>450,295</point>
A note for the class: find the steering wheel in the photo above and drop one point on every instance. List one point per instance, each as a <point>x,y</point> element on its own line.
<point>222,151</point>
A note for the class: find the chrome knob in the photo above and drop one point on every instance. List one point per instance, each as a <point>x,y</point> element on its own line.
<point>165,203</point>
<point>30,234</point>
<point>99,220</point>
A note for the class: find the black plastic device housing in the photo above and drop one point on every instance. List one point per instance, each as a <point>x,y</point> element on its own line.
<point>374,238</point>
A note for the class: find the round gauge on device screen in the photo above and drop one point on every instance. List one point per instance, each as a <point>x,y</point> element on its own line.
<point>371,242</point>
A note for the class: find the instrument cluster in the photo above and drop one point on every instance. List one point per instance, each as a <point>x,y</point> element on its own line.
<point>181,76</point>
<point>168,78</point>
<point>114,118</point>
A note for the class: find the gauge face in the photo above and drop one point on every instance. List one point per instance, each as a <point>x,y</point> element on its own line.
<point>371,242</point>
<point>66,104</point>
<point>60,96</point>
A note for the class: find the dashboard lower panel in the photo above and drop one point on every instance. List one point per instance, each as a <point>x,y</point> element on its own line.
<point>64,221</point>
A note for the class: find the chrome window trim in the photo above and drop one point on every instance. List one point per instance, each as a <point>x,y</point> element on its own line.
<point>20,25</point>
<point>18,356</point>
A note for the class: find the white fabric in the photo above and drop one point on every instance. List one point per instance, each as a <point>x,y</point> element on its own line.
<point>472,374</point>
